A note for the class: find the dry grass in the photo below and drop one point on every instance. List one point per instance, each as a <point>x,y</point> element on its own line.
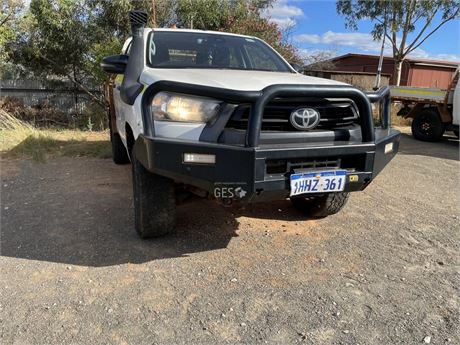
<point>395,119</point>
<point>19,139</point>
<point>398,120</point>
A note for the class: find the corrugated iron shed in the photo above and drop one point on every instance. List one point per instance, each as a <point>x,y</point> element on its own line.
<point>415,72</point>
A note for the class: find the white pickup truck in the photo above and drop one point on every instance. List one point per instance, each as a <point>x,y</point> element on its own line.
<point>433,111</point>
<point>224,116</point>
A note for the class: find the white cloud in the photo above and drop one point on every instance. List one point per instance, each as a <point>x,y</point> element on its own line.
<point>281,9</point>
<point>283,14</point>
<point>448,57</point>
<point>362,42</point>
<point>422,54</point>
<point>308,38</point>
<point>284,22</point>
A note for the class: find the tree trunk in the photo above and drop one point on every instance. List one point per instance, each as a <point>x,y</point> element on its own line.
<point>397,71</point>
<point>154,14</point>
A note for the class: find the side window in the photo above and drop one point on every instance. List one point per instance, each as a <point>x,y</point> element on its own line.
<point>259,59</point>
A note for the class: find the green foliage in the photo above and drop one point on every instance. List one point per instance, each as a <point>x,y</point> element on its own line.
<point>9,11</point>
<point>209,14</point>
<point>254,25</point>
<point>9,19</point>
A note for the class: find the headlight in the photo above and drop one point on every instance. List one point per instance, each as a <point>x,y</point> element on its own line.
<point>176,107</point>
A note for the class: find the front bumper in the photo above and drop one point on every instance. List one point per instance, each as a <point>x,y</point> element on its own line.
<point>248,168</point>
<point>260,171</point>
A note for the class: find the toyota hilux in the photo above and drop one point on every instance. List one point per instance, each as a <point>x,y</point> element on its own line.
<point>226,117</point>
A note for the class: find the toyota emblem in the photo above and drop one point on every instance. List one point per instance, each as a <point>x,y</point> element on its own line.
<point>304,118</point>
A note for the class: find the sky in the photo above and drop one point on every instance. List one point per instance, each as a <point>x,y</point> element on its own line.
<point>316,26</point>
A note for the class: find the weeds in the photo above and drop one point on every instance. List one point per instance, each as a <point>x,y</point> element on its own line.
<point>19,139</point>
<point>45,114</point>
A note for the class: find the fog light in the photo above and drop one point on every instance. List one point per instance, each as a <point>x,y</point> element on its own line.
<point>198,158</point>
<point>388,148</point>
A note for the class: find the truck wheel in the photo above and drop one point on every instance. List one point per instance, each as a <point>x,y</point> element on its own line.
<point>427,126</point>
<point>119,153</point>
<point>321,206</point>
<point>154,202</point>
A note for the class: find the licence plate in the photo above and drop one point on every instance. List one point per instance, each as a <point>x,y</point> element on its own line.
<point>318,182</point>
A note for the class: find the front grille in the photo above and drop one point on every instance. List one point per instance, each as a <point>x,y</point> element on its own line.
<point>354,162</point>
<point>281,166</point>
<point>334,114</point>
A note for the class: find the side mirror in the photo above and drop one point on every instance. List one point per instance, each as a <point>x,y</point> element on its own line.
<point>298,68</point>
<point>115,64</point>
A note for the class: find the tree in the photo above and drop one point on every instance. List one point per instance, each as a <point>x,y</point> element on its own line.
<point>320,61</point>
<point>236,16</point>
<point>9,13</point>
<point>397,19</point>
<point>54,39</point>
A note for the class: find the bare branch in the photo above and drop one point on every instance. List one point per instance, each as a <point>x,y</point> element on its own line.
<point>406,25</point>
<point>391,40</point>
<point>427,24</point>
<point>79,85</point>
<point>6,18</point>
<point>410,48</point>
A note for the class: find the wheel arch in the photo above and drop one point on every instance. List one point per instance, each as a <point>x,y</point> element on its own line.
<point>440,109</point>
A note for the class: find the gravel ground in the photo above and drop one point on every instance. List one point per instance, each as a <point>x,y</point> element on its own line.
<point>383,271</point>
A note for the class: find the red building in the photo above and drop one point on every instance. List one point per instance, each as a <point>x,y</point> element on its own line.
<point>415,72</point>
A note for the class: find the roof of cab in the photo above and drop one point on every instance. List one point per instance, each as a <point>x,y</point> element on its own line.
<point>201,32</point>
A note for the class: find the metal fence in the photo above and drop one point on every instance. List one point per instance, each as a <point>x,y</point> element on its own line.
<point>58,94</point>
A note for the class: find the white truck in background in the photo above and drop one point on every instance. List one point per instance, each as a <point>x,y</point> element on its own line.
<point>433,111</point>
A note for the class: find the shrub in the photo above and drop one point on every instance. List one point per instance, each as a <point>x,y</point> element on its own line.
<point>44,115</point>
<point>40,115</point>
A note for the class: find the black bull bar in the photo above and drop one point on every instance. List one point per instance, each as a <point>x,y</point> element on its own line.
<point>259,99</point>
<point>246,166</point>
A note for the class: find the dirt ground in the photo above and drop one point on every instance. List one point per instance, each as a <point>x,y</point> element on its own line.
<point>383,271</point>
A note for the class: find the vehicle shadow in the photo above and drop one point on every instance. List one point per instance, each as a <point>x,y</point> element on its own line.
<point>446,148</point>
<point>107,236</point>
<point>79,211</point>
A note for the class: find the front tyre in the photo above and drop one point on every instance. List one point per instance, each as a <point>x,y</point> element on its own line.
<point>154,202</point>
<point>321,206</point>
<point>427,126</point>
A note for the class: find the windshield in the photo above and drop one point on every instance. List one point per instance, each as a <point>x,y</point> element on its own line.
<point>201,50</point>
